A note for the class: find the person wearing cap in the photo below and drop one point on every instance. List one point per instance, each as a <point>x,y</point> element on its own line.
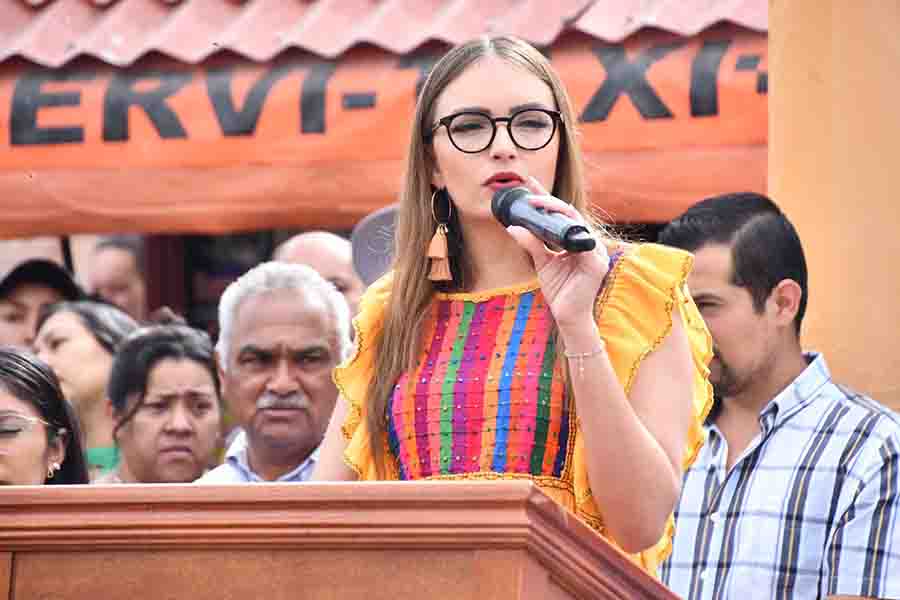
<point>24,291</point>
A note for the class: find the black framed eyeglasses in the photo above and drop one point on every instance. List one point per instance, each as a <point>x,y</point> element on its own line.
<point>472,132</point>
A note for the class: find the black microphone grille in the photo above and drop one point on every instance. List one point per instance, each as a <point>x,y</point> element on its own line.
<point>502,201</point>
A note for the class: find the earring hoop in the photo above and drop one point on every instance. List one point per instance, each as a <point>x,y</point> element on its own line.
<point>52,469</point>
<point>439,269</point>
<point>434,212</point>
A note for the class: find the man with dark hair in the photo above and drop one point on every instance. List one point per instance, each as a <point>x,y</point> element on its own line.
<point>117,273</point>
<point>795,494</point>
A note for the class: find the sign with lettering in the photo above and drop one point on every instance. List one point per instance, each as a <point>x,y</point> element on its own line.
<point>231,145</point>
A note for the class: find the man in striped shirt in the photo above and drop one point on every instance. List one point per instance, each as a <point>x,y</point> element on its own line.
<point>795,494</point>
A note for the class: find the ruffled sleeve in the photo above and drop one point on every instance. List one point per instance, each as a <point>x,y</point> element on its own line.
<point>634,315</point>
<point>354,376</point>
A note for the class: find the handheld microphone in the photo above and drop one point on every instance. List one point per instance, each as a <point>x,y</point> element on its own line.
<point>511,207</point>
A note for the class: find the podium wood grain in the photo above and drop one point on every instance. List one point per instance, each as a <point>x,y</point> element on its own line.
<point>366,541</point>
<point>5,573</point>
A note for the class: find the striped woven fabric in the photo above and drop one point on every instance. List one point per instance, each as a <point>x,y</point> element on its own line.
<point>484,398</point>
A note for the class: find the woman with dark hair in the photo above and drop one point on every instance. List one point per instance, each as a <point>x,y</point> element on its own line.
<point>78,340</point>
<point>40,441</point>
<point>166,401</point>
<point>485,354</point>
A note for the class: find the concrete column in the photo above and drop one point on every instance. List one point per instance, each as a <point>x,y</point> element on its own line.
<point>834,167</point>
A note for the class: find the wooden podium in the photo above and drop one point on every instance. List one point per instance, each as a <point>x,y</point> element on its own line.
<point>367,541</point>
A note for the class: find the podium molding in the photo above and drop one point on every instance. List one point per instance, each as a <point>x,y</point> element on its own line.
<point>499,539</point>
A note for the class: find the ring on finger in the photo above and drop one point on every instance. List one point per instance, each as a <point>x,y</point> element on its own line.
<point>554,251</point>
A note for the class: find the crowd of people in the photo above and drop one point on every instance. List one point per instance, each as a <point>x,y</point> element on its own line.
<point>484,353</point>
<point>146,398</point>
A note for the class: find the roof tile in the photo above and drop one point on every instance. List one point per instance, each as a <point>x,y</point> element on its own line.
<point>53,34</point>
<point>263,28</point>
<point>119,32</point>
<point>126,30</point>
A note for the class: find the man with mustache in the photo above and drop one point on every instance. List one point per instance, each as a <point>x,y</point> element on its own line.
<point>795,494</point>
<point>283,328</point>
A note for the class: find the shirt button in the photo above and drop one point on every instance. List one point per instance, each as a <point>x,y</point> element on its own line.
<point>716,518</point>
<point>706,575</point>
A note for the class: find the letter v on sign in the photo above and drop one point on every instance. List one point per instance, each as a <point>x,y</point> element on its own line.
<point>243,121</point>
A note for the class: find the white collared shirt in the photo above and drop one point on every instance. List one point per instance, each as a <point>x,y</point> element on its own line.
<point>236,468</point>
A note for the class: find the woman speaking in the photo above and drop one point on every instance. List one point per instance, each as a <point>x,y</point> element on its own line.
<point>485,354</point>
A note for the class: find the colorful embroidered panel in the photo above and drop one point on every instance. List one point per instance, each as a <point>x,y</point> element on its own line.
<point>483,397</point>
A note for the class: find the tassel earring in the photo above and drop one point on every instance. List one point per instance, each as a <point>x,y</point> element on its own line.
<point>437,249</point>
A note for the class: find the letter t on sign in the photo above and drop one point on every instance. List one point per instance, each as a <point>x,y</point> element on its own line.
<point>312,97</point>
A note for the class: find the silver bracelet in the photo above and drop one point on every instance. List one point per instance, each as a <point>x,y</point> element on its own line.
<point>600,349</point>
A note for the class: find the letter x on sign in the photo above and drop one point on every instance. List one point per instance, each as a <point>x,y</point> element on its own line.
<point>629,78</point>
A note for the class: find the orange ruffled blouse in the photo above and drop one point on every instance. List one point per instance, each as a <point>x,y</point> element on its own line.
<point>487,400</point>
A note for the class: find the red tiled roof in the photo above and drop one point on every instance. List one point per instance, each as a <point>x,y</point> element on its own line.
<point>119,32</point>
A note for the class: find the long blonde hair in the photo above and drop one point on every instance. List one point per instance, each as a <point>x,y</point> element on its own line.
<point>411,291</point>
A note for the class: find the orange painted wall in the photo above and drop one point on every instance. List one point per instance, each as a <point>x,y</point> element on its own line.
<point>834,167</point>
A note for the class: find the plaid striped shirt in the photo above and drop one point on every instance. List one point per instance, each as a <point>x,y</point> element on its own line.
<point>809,509</point>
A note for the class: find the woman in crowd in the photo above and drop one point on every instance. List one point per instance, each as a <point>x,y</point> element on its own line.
<point>484,354</point>
<point>78,340</point>
<point>166,400</point>
<point>40,441</point>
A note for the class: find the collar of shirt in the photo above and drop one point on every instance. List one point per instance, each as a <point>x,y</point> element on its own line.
<point>796,514</point>
<point>794,397</point>
<point>236,456</point>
